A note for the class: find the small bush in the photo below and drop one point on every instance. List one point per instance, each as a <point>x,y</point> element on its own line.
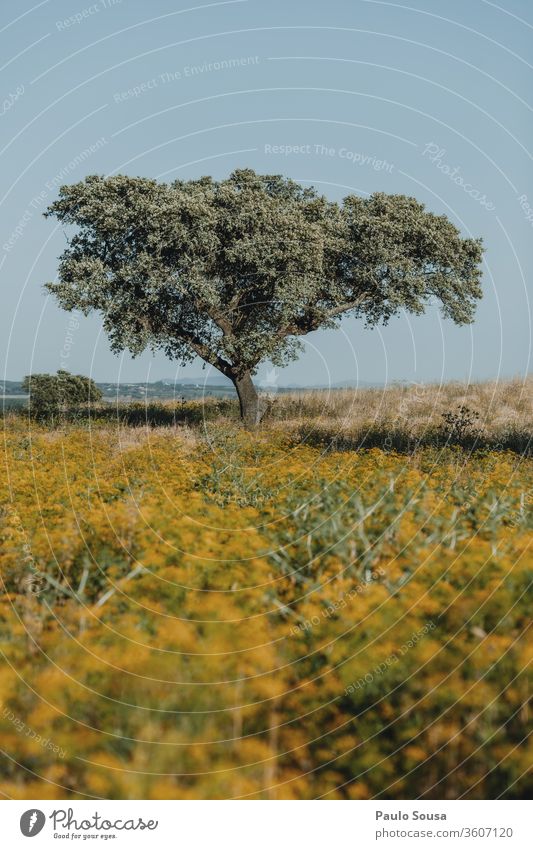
<point>53,394</point>
<point>460,425</point>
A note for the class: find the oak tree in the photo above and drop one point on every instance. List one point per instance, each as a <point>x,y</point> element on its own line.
<point>236,271</point>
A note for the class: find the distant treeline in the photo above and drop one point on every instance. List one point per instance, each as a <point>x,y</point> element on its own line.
<point>10,389</point>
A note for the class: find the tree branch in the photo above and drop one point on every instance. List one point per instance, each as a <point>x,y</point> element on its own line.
<point>306,325</point>
<point>221,321</point>
<point>345,307</point>
<point>206,353</point>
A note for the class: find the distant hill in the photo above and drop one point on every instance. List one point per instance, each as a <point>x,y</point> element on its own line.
<point>11,387</point>
<point>220,380</point>
<point>213,380</point>
<point>185,387</point>
<point>169,389</point>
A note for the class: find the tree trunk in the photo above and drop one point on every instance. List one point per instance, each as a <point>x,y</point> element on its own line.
<point>248,400</point>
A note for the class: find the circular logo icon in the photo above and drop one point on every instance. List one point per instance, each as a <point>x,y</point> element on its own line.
<point>32,822</point>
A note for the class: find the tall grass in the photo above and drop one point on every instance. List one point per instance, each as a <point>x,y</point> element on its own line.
<point>495,415</point>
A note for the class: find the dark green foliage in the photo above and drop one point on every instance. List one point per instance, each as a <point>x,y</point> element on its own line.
<point>51,394</point>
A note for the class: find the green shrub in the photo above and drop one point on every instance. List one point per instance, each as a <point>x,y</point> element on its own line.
<point>52,394</point>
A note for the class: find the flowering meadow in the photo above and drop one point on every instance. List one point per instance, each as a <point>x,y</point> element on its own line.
<point>208,613</point>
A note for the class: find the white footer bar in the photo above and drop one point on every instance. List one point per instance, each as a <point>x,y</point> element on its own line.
<point>268,825</point>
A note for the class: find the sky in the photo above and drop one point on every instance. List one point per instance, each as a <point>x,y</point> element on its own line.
<point>426,98</point>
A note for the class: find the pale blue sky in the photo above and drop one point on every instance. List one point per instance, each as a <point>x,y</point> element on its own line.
<point>378,96</point>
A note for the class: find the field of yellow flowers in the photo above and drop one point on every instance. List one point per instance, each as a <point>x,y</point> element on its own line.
<point>226,615</point>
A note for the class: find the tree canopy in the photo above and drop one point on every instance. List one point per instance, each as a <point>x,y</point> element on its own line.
<point>236,271</point>
<point>52,393</point>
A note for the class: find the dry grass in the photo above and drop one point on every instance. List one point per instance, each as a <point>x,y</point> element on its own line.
<point>126,438</point>
<point>493,415</point>
<point>498,404</point>
<point>497,414</point>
